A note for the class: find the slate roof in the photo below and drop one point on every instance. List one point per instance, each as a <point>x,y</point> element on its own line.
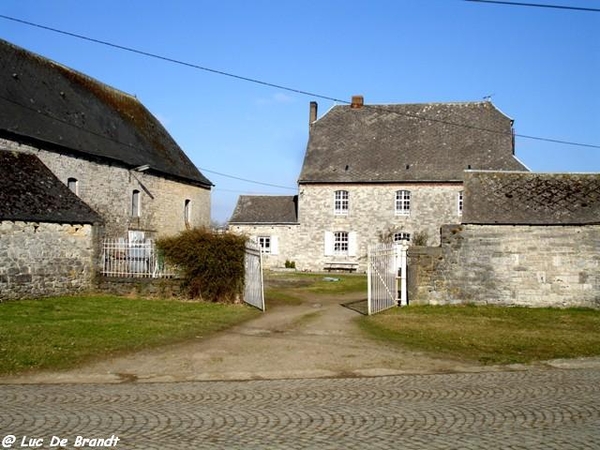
<point>531,198</point>
<point>276,209</point>
<point>46,104</point>
<point>408,142</point>
<point>30,192</point>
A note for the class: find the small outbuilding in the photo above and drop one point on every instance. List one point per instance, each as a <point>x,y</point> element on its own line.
<point>47,233</point>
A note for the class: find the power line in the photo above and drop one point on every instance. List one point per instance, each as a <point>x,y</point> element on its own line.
<point>171,60</point>
<point>107,138</point>
<point>289,89</point>
<point>247,180</point>
<point>537,5</point>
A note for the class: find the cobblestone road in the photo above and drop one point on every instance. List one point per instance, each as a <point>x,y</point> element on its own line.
<point>536,409</point>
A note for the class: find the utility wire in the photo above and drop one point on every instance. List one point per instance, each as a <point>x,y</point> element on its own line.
<point>285,88</point>
<point>537,5</point>
<point>172,60</point>
<point>107,138</point>
<point>247,180</point>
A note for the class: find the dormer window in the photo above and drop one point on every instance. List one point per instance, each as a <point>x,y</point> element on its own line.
<point>73,185</point>
<point>341,203</point>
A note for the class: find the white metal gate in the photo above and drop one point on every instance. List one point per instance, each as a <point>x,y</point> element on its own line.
<point>253,280</point>
<point>386,273</point>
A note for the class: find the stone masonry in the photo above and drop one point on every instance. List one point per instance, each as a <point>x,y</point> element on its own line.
<point>509,265</point>
<point>44,259</point>
<point>108,190</point>
<point>371,217</point>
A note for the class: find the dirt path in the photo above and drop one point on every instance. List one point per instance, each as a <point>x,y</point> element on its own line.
<point>316,339</point>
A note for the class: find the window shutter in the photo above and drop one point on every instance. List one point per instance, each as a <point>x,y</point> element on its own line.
<point>274,245</point>
<point>352,243</point>
<point>328,243</point>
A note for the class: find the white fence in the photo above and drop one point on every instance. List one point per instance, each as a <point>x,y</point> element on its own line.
<point>123,258</point>
<point>386,274</point>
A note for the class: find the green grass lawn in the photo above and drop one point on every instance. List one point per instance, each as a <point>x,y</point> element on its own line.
<point>293,287</point>
<point>62,332</point>
<point>490,335</point>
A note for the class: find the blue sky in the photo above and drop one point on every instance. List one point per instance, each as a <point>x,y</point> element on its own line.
<point>541,67</point>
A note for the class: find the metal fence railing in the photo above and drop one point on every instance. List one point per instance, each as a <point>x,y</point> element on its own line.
<point>123,258</point>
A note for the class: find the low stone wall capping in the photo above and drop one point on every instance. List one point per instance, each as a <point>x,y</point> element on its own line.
<point>509,265</point>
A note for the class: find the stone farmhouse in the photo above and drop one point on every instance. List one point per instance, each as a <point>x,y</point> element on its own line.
<point>48,235</point>
<point>103,144</point>
<point>377,173</point>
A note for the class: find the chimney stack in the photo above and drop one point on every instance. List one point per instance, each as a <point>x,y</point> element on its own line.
<point>313,112</point>
<point>357,102</point>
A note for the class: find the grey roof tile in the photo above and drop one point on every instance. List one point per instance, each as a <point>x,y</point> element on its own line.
<point>408,142</point>
<point>46,104</point>
<point>531,198</point>
<point>30,192</point>
<point>276,209</point>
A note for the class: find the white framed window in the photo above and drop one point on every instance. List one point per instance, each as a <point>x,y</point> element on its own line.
<point>340,243</point>
<point>73,185</point>
<point>268,244</point>
<point>402,203</point>
<point>187,211</point>
<point>401,236</point>
<point>459,203</point>
<point>135,203</point>
<point>341,203</point>
<point>265,244</point>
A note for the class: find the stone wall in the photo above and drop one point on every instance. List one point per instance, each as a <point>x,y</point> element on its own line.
<point>287,237</point>
<point>371,216</point>
<point>509,265</point>
<point>162,288</point>
<point>108,190</point>
<point>44,259</point>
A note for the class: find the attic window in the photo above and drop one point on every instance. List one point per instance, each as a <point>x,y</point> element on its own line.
<point>73,185</point>
<point>135,203</point>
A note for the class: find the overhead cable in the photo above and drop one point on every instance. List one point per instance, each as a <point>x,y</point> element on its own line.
<point>537,5</point>
<point>278,86</point>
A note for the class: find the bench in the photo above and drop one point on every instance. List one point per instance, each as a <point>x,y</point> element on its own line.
<point>341,265</point>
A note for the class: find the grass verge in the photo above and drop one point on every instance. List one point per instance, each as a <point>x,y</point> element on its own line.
<point>491,335</point>
<point>63,332</point>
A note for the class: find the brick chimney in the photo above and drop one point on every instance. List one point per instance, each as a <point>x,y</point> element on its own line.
<point>357,102</point>
<point>313,112</point>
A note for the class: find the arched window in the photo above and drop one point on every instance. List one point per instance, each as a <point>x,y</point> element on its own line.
<point>402,203</point>
<point>135,203</point>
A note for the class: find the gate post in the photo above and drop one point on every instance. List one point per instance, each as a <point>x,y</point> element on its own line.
<point>401,261</point>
